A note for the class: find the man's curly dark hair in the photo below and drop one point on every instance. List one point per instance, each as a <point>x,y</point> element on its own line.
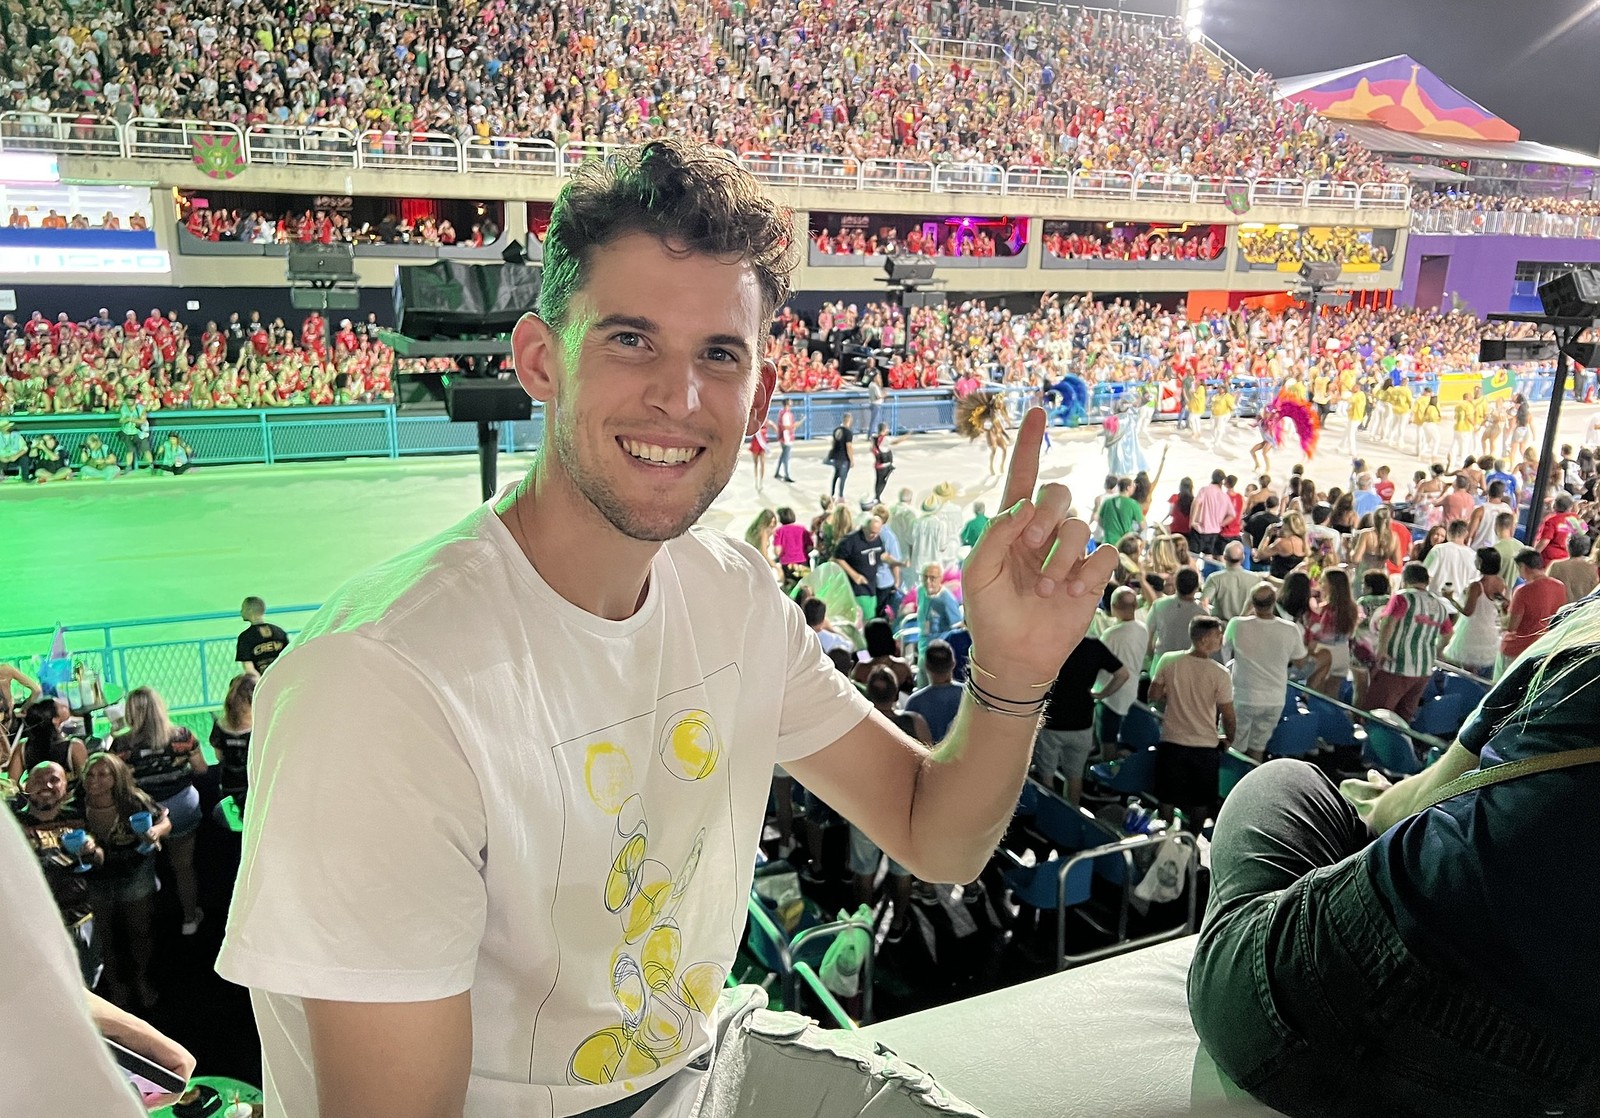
<point>695,197</point>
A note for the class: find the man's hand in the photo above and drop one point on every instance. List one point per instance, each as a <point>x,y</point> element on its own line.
<point>1029,590</point>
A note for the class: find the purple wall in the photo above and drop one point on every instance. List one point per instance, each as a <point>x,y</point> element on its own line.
<point>1480,269</point>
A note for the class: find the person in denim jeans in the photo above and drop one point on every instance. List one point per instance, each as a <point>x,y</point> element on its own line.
<point>1451,965</point>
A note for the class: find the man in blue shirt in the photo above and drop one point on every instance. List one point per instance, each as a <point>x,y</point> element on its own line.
<point>1501,474</point>
<point>937,609</point>
<point>939,700</point>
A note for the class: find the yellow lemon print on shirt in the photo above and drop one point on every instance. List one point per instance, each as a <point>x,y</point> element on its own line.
<point>608,775</point>
<point>609,1055</point>
<point>700,987</point>
<point>623,880</point>
<point>659,956</point>
<point>690,746</point>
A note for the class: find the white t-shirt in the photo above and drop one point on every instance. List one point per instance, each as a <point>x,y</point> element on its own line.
<point>461,781</point>
<point>56,1064</point>
<point>1262,650</point>
<point>1451,564</point>
<point>1128,642</point>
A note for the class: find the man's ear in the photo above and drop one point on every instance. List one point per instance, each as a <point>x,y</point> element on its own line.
<point>537,357</point>
<point>766,385</point>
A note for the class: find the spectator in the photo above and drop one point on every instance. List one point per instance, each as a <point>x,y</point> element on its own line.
<point>793,543</point>
<point>1330,626</point>
<point>866,857</point>
<point>1263,647</point>
<point>1284,546</point>
<point>165,760</point>
<point>882,652</point>
<point>1128,640</point>
<point>938,701</point>
<point>1452,563</point>
<point>1120,515</point>
<point>230,737</point>
<point>972,530</point>
<point>52,822</point>
<point>1577,571</point>
<point>11,678</point>
<point>1208,514</point>
<point>1410,630</point>
<point>1533,604</point>
<point>1227,592</point>
<point>1065,739</point>
<point>1169,616</point>
<point>1258,524</point>
<point>14,456</point>
<point>174,456</point>
<point>816,614</point>
<point>96,460</point>
<point>859,555</point>
<point>49,464</point>
<point>262,642</point>
<point>1193,692</point>
<point>1475,644</point>
<point>44,740</point>
<point>938,612</point>
<point>128,826</point>
<point>1555,530</point>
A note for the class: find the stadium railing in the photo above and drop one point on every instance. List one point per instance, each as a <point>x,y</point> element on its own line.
<point>1518,223</point>
<point>277,145</point>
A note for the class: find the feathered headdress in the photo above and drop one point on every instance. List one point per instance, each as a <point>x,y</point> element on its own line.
<point>1307,423</point>
<point>976,412</point>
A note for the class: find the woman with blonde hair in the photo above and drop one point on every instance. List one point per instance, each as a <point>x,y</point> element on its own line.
<point>836,527</point>
<point>165,760</point>
<point>129,827</point>
<point>1285,546</point>
<point>230,736</point>
<point>759,536</point>
<point>1378,548</point>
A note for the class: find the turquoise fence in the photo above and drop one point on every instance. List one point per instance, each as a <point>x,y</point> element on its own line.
<point>190,665</point>
<point>271,435</point>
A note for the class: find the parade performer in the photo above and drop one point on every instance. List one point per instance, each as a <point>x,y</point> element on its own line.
<point>1223,405</point>
<point>1073,393</point>
<point>983,414</point>
<point>1294,407</point>
<point>1268,425</point>
<point>1121,435</point>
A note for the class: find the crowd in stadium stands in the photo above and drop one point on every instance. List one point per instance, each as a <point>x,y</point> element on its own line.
<point>20,219</point>
<point>957,241</point>
<point>1149,245</point>
<point>1293,246</point>
<point>64,367</point>
<point>101,365</point>
<point>325,227</point>
<point>1467,201</point>
<point>1068,89</point>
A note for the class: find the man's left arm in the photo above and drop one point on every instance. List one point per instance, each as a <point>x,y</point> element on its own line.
<point>1030,591</point>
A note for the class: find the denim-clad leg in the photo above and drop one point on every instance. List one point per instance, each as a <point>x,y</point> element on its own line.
<point>1305,995</point>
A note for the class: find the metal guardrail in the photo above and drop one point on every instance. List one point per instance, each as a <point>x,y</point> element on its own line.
<point>394,150</point>
<point>1515,223</point>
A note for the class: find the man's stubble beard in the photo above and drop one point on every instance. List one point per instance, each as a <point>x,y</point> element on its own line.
<point>596,488</point>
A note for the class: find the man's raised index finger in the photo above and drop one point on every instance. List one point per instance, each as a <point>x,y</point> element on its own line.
<point>1024,471</point>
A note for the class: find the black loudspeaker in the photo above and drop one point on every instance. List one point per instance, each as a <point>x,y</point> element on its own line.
<point>908,269</point>
<point>922,299</point>
<point>1574,294</point>
<point>1494,351</point>
<point>1320,273</point>
<point>335,263</point>
<point>485,400</point>
<point>451,299</point>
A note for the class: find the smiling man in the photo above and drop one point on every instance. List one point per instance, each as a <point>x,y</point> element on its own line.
<point>559,719</point>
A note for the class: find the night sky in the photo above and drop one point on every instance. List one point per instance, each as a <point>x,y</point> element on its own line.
<point>1504,54</point>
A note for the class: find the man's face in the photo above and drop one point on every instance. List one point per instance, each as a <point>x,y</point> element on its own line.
<point>46,787</point>
<point>872,528</point>
<point>653,384</point>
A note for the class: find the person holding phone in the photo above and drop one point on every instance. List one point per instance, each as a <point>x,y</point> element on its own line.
<point>52,1030</point>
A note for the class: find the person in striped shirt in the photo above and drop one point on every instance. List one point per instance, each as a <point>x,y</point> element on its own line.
<point>1410,629</point>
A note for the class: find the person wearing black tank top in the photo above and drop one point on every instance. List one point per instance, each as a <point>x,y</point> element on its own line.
<point>43,740</point>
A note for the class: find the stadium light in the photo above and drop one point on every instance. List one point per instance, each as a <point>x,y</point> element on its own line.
<point>1194,15</point>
